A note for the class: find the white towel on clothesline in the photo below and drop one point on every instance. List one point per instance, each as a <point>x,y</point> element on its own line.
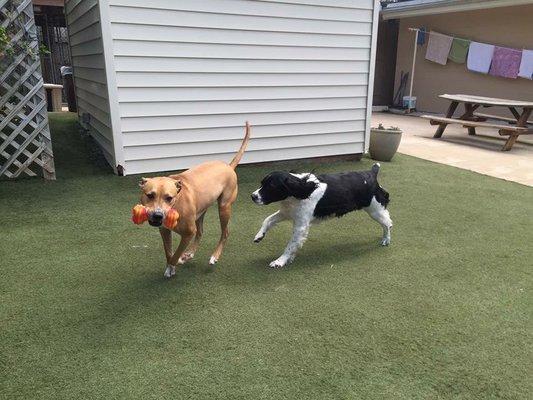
<point>526,66</point>
<point>480,57</point>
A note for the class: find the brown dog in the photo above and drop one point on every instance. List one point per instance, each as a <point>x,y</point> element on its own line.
<point>191,193</point>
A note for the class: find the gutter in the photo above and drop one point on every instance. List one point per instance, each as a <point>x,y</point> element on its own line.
<point>416,8</point>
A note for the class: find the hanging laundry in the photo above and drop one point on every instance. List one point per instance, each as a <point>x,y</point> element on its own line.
<point>438,47</point>
<point>479,57</point>
<point>526,66</point>
<point>506,62</point>
<point>459,50</point>
<point>421,38</point>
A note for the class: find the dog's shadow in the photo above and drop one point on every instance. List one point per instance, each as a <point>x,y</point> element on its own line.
<point>141,290</point>
<point>321,255</point>
<point>136,296</point>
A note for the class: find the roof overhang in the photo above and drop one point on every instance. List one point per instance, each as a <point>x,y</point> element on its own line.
<point>416,8</point>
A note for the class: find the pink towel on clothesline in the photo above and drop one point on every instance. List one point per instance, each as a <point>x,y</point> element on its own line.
<point>506,62</point>
<point>438,47</point>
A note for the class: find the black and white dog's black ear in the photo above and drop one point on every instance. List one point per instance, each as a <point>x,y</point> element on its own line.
<point>297,187</point>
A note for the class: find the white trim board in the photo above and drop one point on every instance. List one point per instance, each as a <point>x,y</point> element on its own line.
<point>372,67</point>
<point>430,7</point>
<point>114,107</point>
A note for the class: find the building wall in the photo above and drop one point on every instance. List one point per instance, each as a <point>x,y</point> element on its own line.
<point>190,73</point>
<point>505,26</point>
<point>85,35</point>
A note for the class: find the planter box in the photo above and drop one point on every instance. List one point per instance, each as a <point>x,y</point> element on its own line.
<point>384,143</point>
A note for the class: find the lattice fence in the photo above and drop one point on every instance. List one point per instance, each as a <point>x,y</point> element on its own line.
<point>24,132</point>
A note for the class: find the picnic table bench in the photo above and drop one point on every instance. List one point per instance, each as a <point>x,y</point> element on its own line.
<point>471,120</point>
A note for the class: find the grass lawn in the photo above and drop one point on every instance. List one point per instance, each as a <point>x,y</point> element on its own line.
<point>443,313</point>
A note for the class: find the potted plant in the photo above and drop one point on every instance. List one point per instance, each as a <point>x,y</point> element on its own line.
<point>15,38</point>
<point>384,142</point>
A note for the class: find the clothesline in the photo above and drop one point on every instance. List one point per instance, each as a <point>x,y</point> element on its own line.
<point>418,30</point>
<point>480,57</point>
<point>433,32</point>
<point>430,32</point>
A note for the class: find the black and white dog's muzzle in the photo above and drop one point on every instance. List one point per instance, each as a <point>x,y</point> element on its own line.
<point>256,197</point>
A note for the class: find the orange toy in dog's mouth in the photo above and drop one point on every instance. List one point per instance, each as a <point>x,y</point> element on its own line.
<point>171,219</point>
<point>139,215</point>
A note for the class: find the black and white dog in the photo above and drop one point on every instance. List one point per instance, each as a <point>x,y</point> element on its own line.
<point>306,198</point>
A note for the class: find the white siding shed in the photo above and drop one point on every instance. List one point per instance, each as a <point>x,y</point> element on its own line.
<point>87,51</point>
<point>168,84</point>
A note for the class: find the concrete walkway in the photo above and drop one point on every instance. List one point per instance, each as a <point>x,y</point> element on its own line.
<point>481,153</point>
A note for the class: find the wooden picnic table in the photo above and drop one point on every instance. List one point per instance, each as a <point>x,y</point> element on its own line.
<point>513,128</point>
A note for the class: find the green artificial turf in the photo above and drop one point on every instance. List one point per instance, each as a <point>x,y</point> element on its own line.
<point>443,313</point>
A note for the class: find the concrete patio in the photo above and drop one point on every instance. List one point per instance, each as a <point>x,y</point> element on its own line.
<point>481,153</point>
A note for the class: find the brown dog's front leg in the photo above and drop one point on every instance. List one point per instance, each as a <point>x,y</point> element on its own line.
<point>166,235</point>
<point>185,240</point>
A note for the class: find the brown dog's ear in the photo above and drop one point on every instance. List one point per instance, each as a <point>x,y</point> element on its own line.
<point>178,185</point>
<point>142,182</point>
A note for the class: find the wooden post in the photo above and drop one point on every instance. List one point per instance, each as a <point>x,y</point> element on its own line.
<point>522,122</point>
<point>449,114</point>
<point>469,115</point>
<point>515,113</point>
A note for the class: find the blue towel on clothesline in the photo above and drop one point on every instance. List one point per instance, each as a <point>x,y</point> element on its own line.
<point>421,39</point>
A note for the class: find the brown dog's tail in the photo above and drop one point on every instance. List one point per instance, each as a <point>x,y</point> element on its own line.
<point>233,164</point>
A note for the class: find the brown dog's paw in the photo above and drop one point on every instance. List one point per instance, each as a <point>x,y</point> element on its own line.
<point>185,257</point>
<point>213,260</point>
<point>170,271</point>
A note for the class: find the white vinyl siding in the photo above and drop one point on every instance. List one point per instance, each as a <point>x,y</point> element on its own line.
<point>85,35</point>
<point>189,73</point>
<point>182,77</point>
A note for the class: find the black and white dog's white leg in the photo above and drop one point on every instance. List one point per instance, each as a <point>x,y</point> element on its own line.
<point>380,214</point>
<point>299,234</point>
<point>268,224</point>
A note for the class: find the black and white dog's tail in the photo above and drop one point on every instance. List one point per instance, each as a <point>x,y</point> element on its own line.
<point>382,196</point>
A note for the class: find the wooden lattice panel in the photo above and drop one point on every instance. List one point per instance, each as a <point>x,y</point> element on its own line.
<point>24,132</point>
